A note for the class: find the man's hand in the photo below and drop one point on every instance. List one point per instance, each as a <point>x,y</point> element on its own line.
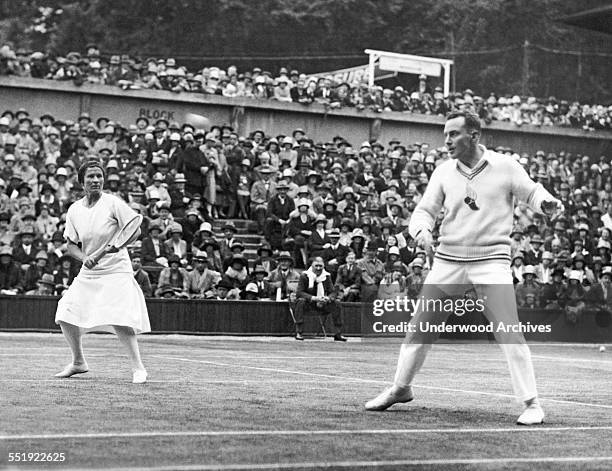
<point>424,240</point>
<point>89,262</point>
<point>552,207</point>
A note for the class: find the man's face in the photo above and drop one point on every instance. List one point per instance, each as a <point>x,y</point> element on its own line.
<point>606,279</point>
<point>136,263</point>
<point>285,264</point>
<point>27,239</point>
<point>457,139</point>
<point>317,266</point>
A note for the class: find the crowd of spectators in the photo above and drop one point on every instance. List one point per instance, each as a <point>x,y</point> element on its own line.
<point>292,86</point>
<point>348,204</point>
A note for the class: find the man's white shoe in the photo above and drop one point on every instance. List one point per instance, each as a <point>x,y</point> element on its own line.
<point>139,377</point>
<point>390,396</point>
<point>532,415</point>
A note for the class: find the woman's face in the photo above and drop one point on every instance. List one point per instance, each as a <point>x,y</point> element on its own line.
<point>93,181</point>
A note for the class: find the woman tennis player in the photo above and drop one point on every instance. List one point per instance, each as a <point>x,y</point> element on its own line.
<point>104,296</point>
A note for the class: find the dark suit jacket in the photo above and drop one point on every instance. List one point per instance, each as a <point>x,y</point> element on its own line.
<point>277,210</point>
<point>348,277</point>
<point>148,251</point>
<point>338,253</point>
<point>316,243</point>
<point>20,256</point>
<point>304,292</point>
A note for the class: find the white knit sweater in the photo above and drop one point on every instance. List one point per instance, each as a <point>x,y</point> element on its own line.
<point>468,235</point>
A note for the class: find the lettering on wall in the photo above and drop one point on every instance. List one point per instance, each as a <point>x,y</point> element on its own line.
<point>153,114</point>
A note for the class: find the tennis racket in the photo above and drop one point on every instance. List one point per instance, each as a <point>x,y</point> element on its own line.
<point>122,238</point>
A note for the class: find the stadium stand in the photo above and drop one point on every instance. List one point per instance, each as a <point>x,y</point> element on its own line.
<point>239,217</point>
<point>289,85</point>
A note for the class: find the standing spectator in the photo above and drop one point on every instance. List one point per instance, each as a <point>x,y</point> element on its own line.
<point>261,193</point>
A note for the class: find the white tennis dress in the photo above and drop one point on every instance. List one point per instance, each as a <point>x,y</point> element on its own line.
<point>108,294</point>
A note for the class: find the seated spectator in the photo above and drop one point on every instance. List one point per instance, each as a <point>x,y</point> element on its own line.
<point>225,244</point>
<point>66,273</point>
<point>348,280</point>
<point>175,276</point>
<point>528,287</point>
<point>36,270</point>
<point>175,244</point>
<point>45,286</point>
<point>299,229</point>
<point>264,290</point>
<point>600,294</point>
<point>394,284</point>
<point>25,250</point>
<point>416,279</point>
<point>6,234</point>
<point>265,258</point>
<point>335,254</point>
<point>574,298</point>
<point>372,272</point>
<point>11,277</point>
<point>284,278</point>
<point>141,276</point>
<point>153,250</point>
<point>316,293</point>
<point>201,281</point>
<point>226,291</point>
<point>237,273</point>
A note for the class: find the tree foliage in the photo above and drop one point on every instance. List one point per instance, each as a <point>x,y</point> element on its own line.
<point>343,28</point>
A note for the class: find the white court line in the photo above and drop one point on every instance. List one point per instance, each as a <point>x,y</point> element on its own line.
<point>273,433</point>
<point>362,380</point>
<point>184,381</point>
<point>577,360</point>
<point>372,464</point>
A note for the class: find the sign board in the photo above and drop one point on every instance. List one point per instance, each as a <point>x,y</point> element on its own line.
<point>352,74</point>
<point>410,66</point>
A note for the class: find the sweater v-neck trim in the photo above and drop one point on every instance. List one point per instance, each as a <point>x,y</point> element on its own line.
<point>470,173</point>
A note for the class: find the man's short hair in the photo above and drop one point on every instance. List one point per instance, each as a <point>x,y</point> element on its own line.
<point>472,121</point>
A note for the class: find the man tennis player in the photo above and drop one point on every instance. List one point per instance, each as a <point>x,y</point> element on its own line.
<point>476,188</point>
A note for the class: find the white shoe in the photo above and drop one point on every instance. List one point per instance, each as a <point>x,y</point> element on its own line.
<point>390,396</point>
<point>532,415</point>
<point>139,377</point>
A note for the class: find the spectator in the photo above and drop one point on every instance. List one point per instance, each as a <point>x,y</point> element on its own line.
<point>284,278</point>
<point>45,286</point>
<point>348,280</point>
<point>140,275</point>
<point>264,289</point>
<point>11,277</point>
<point>174,276</point>
<point>201,281</point>
<point>315,292</point>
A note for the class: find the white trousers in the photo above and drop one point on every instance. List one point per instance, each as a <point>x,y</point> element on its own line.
<point>492,281</point>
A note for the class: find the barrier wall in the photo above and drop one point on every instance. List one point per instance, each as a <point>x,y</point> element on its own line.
<point>25,313</point>
<point>66,101</point>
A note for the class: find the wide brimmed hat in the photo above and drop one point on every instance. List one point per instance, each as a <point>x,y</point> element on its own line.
<point>285,255</point>
<point>239,259</point>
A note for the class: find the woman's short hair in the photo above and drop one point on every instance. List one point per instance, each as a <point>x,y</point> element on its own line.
<point>87,165</point>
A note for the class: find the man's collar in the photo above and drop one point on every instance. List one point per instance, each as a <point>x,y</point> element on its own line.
<point>479,167</point>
